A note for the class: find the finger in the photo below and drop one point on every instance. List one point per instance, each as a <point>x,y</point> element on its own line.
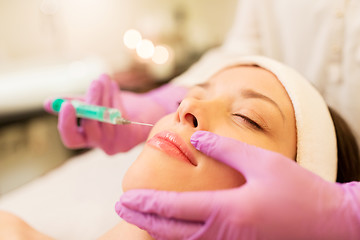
<point>115,92</point>
<point>238,155</point>
<point>189,206</point>
<point>158,227</point>
<point>108,130</point>
<point>106,91</point>
<point>92,129</point>
<point>47,105</point>
<point>71,135</point>
<point>94,93</point>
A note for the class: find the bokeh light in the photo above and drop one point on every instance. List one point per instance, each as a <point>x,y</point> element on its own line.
<point>145,49</point>
<point>132,38</point>
<point>161,55</point>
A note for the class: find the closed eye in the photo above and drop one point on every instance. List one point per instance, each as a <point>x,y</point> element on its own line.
<point>248,121</point>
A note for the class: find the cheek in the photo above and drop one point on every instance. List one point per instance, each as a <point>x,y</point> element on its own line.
<point>242,133</point>
<point>288,142</point>
<point>280,143</point>
<point>216,175</point>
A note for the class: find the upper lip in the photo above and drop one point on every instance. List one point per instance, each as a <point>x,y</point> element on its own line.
<point>178,142</point>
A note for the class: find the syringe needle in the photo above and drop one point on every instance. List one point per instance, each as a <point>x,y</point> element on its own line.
<point>145,124</point>
<point>125,121</point>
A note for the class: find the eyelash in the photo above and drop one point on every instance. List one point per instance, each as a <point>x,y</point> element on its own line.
<point>249,121</point>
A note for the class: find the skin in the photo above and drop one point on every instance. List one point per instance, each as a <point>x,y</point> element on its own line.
<point>12,227</point>
<point>224,106</point>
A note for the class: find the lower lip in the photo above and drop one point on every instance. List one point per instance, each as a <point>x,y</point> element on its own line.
<point>168,147</point>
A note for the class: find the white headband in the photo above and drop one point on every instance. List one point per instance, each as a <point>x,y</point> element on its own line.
<point>316,138</point>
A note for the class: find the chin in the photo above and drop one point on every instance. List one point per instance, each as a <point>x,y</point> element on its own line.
<point>154,171</point>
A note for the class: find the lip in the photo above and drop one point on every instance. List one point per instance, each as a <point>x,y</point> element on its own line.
<point>173,145</point>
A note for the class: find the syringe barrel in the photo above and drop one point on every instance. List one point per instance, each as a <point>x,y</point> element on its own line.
<point>99,113</point>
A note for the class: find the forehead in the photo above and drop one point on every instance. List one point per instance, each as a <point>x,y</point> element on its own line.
<point>239,78</point>
<point>242,77</point>
<point>250,76</point>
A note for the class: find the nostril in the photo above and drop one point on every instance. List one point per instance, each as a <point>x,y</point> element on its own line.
<point>191,119</point>
<point>195,122</point>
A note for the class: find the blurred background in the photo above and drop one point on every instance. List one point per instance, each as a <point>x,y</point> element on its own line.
<point>57,47</point>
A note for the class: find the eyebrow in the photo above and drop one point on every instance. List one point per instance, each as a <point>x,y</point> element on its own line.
<point>249,93</point>
<point>203,85</point>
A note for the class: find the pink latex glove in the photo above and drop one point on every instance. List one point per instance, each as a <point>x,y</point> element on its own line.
<point>147,108</point>
<point>280,200</point>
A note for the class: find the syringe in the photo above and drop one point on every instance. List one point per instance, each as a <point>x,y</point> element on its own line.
<point>98,113</point>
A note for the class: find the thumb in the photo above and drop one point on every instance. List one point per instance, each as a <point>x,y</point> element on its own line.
<point>187,206</point>
<point>239,155</point>
<point>71,135</point>
<point>158,226</point>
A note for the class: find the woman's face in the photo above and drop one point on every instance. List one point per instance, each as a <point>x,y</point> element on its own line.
<point>246,103</point>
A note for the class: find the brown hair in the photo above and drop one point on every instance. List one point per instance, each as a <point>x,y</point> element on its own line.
<point>348,150</point>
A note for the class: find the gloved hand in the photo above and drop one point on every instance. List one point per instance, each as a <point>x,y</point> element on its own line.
<point>280,200</point>
<point>147,108</point>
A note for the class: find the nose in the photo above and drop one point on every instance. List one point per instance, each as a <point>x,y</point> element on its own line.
<point>192,112</point>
